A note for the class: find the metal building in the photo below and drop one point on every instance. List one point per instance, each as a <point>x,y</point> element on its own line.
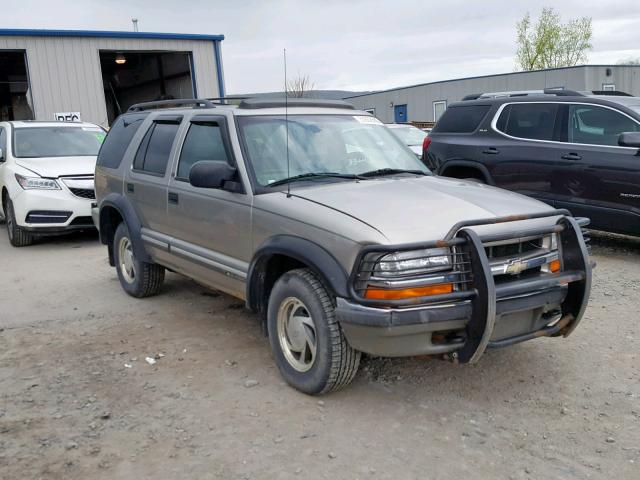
<point>95,75</point>
<point>426,102</point>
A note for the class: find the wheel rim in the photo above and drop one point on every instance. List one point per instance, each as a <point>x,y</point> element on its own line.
<point>127,264</point>
<point>297,334</point>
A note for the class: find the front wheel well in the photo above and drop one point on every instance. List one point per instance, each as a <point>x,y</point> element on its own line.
<point>463,171</point>
<point>110,218</point>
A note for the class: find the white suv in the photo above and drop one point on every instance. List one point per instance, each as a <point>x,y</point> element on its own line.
<point>46,177</point>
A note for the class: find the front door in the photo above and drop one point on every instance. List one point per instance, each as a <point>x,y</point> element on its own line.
<point>400,113</point>
<point>600,180</point>
<point>210,228</point>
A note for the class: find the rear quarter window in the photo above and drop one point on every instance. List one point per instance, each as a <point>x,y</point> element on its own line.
<point>118,139</point>
<point>461,119</point>
<point>535,121</point>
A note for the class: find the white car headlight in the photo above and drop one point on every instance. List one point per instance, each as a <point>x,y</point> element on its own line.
<point>37,183</point>
<point>413,262</point>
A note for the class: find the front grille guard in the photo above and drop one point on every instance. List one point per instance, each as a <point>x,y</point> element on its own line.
<point>482,292</point>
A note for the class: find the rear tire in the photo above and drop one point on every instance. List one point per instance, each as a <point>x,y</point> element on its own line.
<point>18,237</point>
<point>139,279</point>
<point>307,341</point>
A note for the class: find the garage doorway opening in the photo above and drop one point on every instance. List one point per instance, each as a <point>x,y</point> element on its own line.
<point>132,77</point>
<point>15,96</point>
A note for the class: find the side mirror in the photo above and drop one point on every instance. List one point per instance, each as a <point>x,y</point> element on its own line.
<point>629,139</point>
<point>211,174</point>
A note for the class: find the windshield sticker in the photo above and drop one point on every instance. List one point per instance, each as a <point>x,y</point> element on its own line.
<point>367,119</point>
<point>100,136</point>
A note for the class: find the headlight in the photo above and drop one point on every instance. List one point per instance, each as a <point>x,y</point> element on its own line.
<point>413,262</point>
<point>32,183</point>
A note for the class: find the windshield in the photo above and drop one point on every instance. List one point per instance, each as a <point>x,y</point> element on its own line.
<point>409,135</point>
<point>36,142</point>
<point>343,144</point>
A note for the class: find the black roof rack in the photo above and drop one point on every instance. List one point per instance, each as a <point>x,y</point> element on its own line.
<point>195,102</point>
<point>252,103</point>
<point>471,96</point>
<point>612,93</point>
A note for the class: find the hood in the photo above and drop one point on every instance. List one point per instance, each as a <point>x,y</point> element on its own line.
<point>54,167</point>
<point>417,209</point>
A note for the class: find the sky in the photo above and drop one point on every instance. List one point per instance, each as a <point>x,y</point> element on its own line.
<point>344,45</point>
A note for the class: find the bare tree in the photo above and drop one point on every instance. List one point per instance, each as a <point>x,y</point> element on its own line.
<point>299,87</point>
<point>550,43</point>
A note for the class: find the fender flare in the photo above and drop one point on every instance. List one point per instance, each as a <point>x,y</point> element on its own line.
<point>123,206</point>
<point>470,164</point>
<point>319,260</point>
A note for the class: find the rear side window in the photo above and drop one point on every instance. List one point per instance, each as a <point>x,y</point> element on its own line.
<point>533,121</point>
<point>597,125</point>
<point>118,139</point>
<point>153,153</point>
<point>462,119</point>
<point>204,142</point>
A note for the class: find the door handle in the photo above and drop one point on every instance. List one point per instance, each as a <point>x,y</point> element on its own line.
<point>571,156</point>
<point>130,187</point>
<point>173,198</point>
<point>491,151</point>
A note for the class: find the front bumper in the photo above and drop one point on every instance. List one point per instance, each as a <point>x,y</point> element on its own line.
<point>50,212</point>
<point>489,315</point>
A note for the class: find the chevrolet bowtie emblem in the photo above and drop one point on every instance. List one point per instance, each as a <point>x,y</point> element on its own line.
<point>515,267</point>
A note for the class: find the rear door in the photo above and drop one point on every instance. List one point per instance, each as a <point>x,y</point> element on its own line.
<point>146,182</point>
<point>526,158</point>
<point>600,179</point>
<point>210,228</point>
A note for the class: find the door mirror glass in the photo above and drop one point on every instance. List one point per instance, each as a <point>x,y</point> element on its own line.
<point>629,139</point>
<point>211,174</point>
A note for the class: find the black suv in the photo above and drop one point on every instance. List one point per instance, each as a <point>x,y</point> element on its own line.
<point>572,150</point>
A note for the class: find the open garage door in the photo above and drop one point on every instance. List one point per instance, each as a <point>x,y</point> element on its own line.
<point>15,97</point>
<point>133,77</point>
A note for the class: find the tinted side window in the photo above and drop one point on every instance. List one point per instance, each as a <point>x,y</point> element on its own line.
<point>153,153</point>
<point>529,120</point>
<point>597,125</point>
<point>462,119</point>
<point>118,139</point>
<point>203,142</point>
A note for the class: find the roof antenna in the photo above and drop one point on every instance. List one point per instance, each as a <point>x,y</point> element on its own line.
<point>286,119</point>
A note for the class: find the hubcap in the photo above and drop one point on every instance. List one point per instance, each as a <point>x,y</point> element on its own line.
<point>127,264</point>
<point>297,334</point>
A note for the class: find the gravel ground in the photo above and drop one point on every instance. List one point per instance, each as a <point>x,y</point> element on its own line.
<point>78,400</point>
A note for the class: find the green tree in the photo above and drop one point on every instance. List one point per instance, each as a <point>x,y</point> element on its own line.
<point>550,43</point>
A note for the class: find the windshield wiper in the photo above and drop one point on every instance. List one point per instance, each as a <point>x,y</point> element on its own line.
<point>391,171</point>
<point>306,176</point>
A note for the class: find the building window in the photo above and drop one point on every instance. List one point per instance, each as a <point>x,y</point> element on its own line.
<point>608,87</point>
<point>438,109</point>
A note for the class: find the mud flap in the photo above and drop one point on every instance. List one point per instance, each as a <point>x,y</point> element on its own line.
<point>483,317</point>
<point>574,256</point>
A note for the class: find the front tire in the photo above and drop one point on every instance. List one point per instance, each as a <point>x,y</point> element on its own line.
<point>139,279</point>
<point>307,341</point>
<point>18,237</point>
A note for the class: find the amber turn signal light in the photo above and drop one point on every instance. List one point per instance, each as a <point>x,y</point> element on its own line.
<point>554,266</point>
<point>384,294</point>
